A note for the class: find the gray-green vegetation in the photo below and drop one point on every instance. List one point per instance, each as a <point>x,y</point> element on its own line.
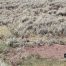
<point>32,22</point>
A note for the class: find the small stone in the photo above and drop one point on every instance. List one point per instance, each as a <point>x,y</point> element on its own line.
<point>65,55</point>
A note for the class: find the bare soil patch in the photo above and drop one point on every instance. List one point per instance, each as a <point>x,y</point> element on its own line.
<point>55,51</point>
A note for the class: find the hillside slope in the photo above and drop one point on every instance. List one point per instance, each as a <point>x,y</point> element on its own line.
<point>33,22</point>
<point>30,23</point>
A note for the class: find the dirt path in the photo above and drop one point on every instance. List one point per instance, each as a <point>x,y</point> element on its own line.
<point>54,51</point>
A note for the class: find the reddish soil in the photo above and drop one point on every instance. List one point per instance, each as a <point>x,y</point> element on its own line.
<point>54,51</point>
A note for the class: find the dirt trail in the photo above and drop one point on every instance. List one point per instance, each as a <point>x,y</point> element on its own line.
<point>54,52</point>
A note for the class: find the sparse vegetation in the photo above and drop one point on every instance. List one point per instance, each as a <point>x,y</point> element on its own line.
<point>34,61</point>
<point>32,19</point>
<point>3,46</point>
<point>30,23</point>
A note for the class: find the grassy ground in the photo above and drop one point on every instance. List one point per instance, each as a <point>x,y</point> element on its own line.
<point>36,61</point>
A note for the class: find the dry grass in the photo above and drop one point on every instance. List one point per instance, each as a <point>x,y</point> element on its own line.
<point>43,63</point>
<point>4,31</point>
<point>37,61</point>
